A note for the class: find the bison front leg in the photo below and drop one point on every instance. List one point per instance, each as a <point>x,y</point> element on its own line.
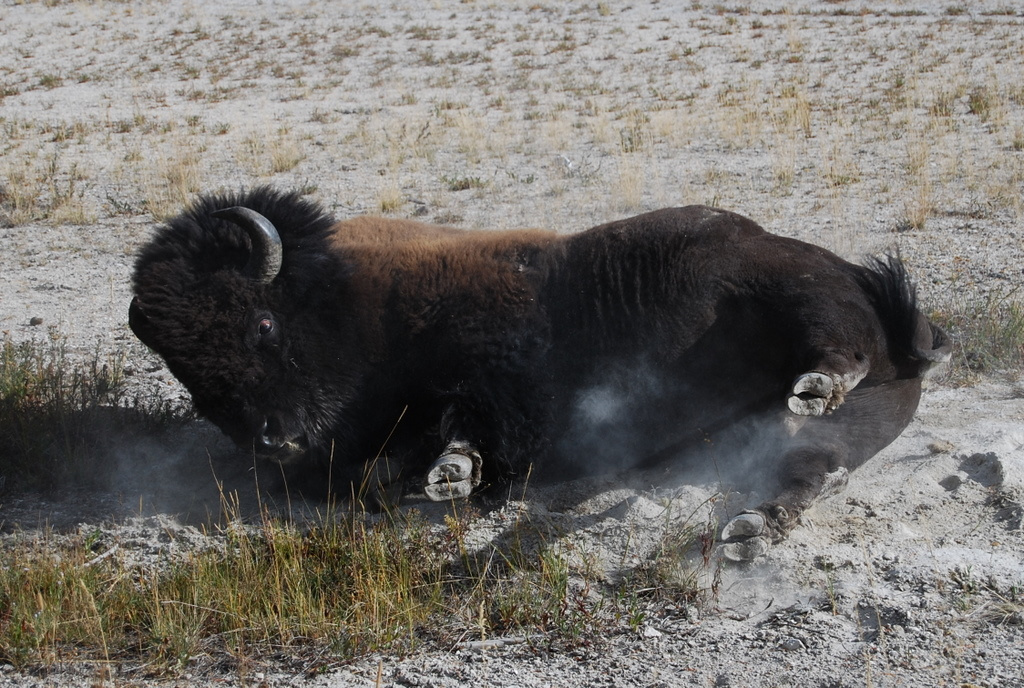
<point>455,473</point>
<point>500,421</point>
<point>381,484</point>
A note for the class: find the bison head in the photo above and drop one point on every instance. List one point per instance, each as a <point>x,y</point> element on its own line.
<point>233,305</point>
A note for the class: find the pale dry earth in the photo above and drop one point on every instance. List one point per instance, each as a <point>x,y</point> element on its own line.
<point>861,126</point>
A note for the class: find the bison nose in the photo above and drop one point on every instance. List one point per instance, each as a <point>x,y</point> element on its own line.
<point>270,435</point>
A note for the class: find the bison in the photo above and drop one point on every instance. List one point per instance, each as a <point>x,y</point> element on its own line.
<point>390,348</point>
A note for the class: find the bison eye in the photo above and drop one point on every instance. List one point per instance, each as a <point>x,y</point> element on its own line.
<point>265,327</point>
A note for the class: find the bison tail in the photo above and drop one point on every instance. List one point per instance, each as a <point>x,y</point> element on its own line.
<point>912,338</point>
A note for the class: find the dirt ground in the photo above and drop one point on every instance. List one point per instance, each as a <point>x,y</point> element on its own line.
<point>860,126</point>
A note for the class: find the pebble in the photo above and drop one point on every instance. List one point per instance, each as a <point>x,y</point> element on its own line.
<point>651,632</point>
<point>951,482</point>
<point>792,644</point>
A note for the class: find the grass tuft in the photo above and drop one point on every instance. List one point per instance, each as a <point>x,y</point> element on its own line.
<point>56,416</point>
<point>463,182</point>
<point>344,586</point>
<point>987,332</point>
<point>44,190</point>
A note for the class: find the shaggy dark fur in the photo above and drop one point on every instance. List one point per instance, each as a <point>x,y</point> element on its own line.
<point>617,345</point>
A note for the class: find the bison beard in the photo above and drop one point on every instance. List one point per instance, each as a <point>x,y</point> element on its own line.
<point>396,349</point>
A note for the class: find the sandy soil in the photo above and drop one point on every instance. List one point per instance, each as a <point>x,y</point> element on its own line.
<point>861,126</point>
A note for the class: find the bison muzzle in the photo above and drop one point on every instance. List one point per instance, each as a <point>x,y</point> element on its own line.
<point>391,348</point>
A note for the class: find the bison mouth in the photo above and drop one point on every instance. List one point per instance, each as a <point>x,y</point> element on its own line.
<point>284,453</point>
<point>273,442</point>
<point>270,436</point>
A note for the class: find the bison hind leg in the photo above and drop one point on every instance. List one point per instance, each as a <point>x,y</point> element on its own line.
<point>816,393</point>
<point>751,534</point>
<point>811,394</point>
<point>817,458</point>
<point>455,473</point>
<point>824,388</point>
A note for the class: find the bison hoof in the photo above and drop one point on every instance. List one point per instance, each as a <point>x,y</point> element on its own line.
<point>744,537</point>
<point>746,550</point>
<point>445,491</point>
<point>455,473</point>
<point>450,468</point>
<point>812,395</point>
<point>745,525</point>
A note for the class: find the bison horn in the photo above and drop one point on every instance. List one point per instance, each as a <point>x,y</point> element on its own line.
<point>265,256</point>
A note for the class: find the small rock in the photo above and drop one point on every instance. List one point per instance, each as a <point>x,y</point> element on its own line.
<point>792,644</point>
<point>651,632</point>
<point>951,482</point>
<point>35,321</point>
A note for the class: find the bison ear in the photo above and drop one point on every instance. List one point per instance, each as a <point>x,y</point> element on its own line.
<point>139,322</point>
